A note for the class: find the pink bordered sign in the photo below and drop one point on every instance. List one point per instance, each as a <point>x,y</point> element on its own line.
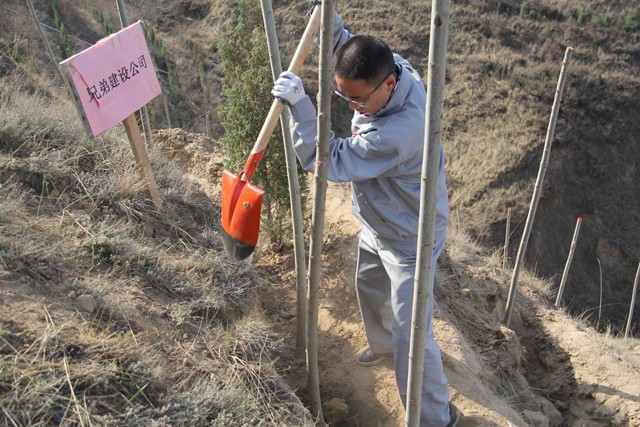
<point>113,78</point>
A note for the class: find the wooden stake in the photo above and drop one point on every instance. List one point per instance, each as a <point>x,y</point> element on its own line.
<point>422,293</point>
<point>319,201</point>
<point>47,46</point>
<point>513,289</point>
<point>633,302</point>
<point>572,249</point>
<point>142,158</point>
<point>505,258</point>
<point>66,79</point>
<point>144,111</point>
<point>136,140</point>
<point>295,198</point>
<point>600,304</point>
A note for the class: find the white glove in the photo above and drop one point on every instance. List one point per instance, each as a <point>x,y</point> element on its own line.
<point>288,88</point>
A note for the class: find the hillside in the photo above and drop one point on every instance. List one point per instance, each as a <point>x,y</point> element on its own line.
<point>504,59</point>
<point>115,313</point>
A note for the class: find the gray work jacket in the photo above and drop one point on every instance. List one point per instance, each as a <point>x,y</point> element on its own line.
<point>382,159</point>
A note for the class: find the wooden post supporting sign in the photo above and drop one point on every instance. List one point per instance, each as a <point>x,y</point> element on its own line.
<point>142,158</point>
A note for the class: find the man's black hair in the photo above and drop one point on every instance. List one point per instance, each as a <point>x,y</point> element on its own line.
<point>364,57</point>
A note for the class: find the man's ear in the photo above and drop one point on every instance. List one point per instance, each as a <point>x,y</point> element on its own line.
<point>391,82</point>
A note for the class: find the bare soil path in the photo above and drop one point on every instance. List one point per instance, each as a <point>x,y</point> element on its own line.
<point>353,395</point>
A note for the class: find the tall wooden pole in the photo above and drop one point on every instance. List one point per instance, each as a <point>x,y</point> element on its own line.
<point>65,78</point>
<point>513,288</point>
<point>295,198</point>
<point>633,302</point>
<point>567,265</point>
<point>47,46</point>
<point>144,112</point>
<point>440,16</point>
<point>319,201</point>
<point>505,255</point>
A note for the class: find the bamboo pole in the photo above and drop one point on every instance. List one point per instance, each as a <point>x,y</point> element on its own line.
<point>440,17</point>
<point>319,201</point>
<point>295,198</point>
<point>138,143</point>
<point>47,46</point>
<point>567,266</point>
<point>600,303</point>
<point>66,79</point>
<point>144,112</point>
<point>513,288</point>
<point>633,302</point>
<point>505,257</point>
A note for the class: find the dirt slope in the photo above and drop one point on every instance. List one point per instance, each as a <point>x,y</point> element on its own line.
<point>540,372</point>
<point>547,369</point>
<point>503,63</point>
<point>543,372</point>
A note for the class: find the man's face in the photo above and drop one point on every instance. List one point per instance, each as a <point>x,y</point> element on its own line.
<point>362,96</point>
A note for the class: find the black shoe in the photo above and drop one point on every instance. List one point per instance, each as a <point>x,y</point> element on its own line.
<point>369,358</point>
<point>454,414</point>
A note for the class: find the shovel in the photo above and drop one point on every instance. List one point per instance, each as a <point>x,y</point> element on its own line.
<point>241,200</point>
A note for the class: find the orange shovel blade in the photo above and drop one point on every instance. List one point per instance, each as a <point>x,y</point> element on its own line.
<point>241,205</point>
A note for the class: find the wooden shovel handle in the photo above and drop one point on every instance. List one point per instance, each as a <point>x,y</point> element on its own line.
<point>276,108</point>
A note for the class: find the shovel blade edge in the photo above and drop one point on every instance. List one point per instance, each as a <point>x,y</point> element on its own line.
<point>241,206</point>
<point>236,250</point>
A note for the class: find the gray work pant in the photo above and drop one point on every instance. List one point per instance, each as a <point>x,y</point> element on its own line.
<point>384,285</point>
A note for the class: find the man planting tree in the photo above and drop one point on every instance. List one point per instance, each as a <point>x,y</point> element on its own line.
<point>383,161</point>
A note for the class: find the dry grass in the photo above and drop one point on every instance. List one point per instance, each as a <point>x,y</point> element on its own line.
<point>172,341</point>
<point>70,372</point>
<point>627,349</point>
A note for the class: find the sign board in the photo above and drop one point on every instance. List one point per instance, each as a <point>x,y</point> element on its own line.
<point>113,78</point>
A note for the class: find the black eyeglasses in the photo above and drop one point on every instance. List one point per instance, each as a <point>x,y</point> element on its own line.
<point>362,101</point>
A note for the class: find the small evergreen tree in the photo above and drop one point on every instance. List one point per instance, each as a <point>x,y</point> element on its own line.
<point>247,87</point>
<point>65,44</point>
